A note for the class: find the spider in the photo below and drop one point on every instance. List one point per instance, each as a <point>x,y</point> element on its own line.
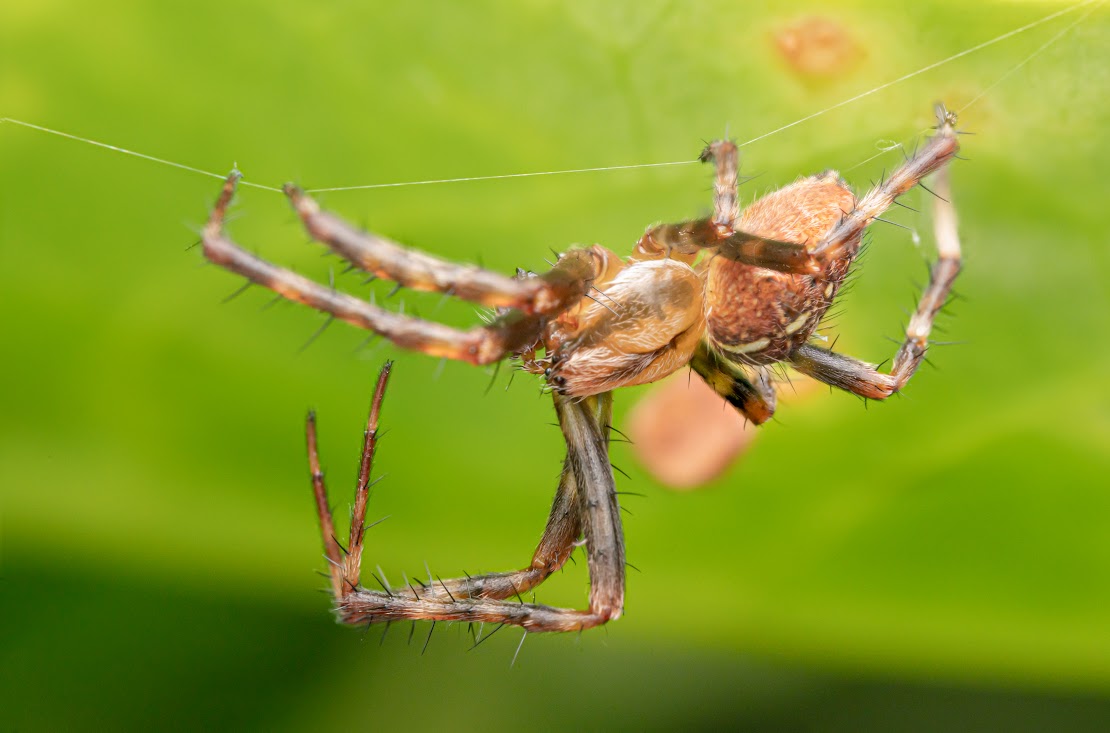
<point>730,295</point>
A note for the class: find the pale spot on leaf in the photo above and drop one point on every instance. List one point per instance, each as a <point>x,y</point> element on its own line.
<point>818,47</point>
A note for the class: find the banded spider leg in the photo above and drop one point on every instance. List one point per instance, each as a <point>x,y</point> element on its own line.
<point>586,504</point>
<point>865,380</point>
<point>530,301</point>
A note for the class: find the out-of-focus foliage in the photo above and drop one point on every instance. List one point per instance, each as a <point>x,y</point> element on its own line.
<point>881,565</point>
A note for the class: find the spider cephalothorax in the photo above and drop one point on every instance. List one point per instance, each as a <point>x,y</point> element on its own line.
<point>729,295</point>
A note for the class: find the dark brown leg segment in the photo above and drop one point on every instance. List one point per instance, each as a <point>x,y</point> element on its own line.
<point>547,294</point>
<point>754,399</point>
<point>585,504</point>
<point>864,379</point>
<point>685,240</point>
<point>484,345</point>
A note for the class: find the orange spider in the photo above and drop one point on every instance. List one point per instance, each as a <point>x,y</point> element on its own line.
<point>753,300</point>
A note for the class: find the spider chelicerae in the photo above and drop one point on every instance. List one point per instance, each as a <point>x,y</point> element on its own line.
<point>730,295</point>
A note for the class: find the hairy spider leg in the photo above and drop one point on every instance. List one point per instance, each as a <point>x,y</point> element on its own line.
<point>726,193</point>
<point>344,565</point>
<point>861,378</point>
<point>939,149</point>
<point>685,240</point>
<point>755,399</point>
<point>548,294</point>
<point>586,503</point>
<point>509,333</point>
<point>558,541</point>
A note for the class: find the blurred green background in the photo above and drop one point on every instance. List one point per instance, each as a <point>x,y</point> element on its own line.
<point>938,563</point>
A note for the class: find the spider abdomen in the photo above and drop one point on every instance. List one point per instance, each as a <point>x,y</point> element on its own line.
<point>760,316</point>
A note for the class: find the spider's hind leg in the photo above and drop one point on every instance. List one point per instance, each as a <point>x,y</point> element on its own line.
<point>940,149</point>
<point>864,379</point>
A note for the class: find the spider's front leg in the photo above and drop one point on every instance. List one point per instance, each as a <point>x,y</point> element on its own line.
<point>548,294</point>
<point>585,504</point>
<point>864,379</point>
<point>540,297</point>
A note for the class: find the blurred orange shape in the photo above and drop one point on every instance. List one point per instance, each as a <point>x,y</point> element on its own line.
<point>685,434</point>
<point>818,47</point>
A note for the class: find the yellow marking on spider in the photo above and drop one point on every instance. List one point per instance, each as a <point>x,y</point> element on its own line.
<point>797,324</point>
<point>757,345</point>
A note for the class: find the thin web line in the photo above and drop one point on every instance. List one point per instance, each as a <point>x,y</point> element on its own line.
<point>125,151</point>
<point>1036,52</point>
<point>922,70</point>
<point>930,67</point>
<point>503,175</point>
<point>886,146</point>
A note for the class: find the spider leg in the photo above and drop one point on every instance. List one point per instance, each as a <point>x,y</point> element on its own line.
<point>684,240</point>
<point>864,379</point>
<point>726,199</point>
<point>563,528</point>
<point>940,148</point>
<point>548,294</point>
<point>755,400</point>
<point>585,503</point>
<point>506,335</point>
<point>345,565</point>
